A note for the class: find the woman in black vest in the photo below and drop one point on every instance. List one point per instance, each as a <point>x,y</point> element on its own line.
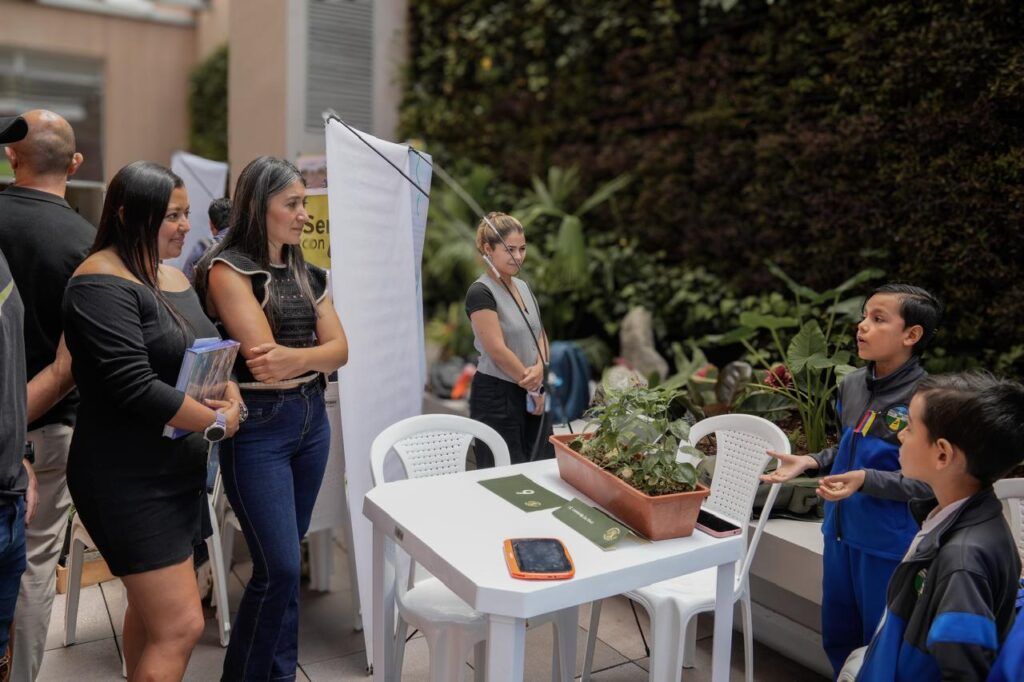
<point>507,392</point>
<point>258,288</point>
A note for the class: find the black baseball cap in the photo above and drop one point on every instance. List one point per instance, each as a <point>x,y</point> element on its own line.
<point>12,129</point>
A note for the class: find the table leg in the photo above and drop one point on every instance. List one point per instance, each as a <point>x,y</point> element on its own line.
<point>566,625</point>
<point>721,653</point>
<point>383,641</point>
<point>506,645</point>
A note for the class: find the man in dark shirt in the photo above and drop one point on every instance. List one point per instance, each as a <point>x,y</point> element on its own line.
<point>44,240</point>
<point>14,472</point>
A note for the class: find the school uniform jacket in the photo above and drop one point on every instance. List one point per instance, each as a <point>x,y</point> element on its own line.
<point>872,412</point>
<point>951,602</point>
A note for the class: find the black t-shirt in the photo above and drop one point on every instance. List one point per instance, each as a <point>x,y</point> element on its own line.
<point>44,240</point>
<point>13,478</point>
<point>479,297</point>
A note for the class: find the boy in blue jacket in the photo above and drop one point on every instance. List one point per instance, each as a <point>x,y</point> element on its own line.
<point>868,526</point>
<point>951,601</point>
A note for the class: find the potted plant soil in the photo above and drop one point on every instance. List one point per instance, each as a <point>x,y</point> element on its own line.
<point>628,464</point>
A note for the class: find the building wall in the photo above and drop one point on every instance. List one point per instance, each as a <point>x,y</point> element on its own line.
<point>257,81</point>
<point>390,55</point>
<point>145,68</point>
<point>212,27</point>
<point>266,83</point>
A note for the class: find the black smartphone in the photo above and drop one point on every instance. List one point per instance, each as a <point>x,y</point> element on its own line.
<point>538,559</point>
<point>716,526</point>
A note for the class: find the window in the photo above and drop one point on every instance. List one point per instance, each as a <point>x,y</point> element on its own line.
<point>339,67</point>
<point>69,86</point>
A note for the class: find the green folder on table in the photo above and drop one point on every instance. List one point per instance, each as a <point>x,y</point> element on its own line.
<point>523,493</point>
<point>592,523</point>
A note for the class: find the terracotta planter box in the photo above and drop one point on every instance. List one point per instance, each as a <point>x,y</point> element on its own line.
<point>656,518</point>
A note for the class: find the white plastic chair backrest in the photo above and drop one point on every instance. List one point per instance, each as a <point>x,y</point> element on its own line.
<point>742,441</point>
<point>433,445</point>
<point>430,445</point>
<point>1011,492</point>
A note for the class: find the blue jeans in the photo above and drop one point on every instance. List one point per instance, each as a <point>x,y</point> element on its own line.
<point>12,563</point>
<point>272,470</point>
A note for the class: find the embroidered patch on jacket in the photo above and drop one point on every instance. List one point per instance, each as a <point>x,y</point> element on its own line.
<point>919,581</point>
<point>865,422</point>
<point>897,418</point>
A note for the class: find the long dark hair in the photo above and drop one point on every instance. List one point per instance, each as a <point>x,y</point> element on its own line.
<point>133,211</point>
<point>263,178</point>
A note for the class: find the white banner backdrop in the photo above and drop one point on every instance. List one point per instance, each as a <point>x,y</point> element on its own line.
<point>204,181</point>
<point>376,245</point>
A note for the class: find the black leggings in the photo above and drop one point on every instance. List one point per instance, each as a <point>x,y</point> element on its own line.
<point>502,405</point>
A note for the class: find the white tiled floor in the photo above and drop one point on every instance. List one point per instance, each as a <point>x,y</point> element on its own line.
<point>330,650</point>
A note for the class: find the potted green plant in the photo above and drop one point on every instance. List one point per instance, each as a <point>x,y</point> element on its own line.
<point>628,463</point>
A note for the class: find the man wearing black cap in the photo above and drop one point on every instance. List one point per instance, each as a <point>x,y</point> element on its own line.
<point>14,471</point>
<point>44,240</point>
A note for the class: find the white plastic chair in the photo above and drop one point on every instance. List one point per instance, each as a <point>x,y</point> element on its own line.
<point>80,541</point>
<point>1011,492</point>
<point>436,445</point>
<point>743,442</point>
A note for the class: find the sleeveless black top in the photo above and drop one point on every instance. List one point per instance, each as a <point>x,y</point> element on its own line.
<point>292,318</point>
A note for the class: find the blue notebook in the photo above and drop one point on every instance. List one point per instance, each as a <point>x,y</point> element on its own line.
<point>205,373</point>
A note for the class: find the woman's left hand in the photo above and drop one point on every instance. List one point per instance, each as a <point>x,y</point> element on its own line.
<point>538,405</point>
<point>275,363</point>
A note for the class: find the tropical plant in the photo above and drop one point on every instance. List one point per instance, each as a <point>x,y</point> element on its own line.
<point>208,106</point>
<point>554,200</point>
<point>639,431</point>
<point>451,261</point>
<point>707,391</point>
<point>451,332</point>
<point>812,360</point>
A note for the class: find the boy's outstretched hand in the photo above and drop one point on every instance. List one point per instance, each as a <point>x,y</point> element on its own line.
<point>790,466</point>
<point>840,486</point>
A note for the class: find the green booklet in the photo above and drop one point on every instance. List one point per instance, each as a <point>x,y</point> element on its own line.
<point>592,523</point>
<point>523,493</point>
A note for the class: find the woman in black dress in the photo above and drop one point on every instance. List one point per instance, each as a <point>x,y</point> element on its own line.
<point>128,320</point>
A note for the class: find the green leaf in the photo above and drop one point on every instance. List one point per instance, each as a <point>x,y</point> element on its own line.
<point>843,370</point>
<point>761,321</point>
<point>800,290</point>
<point>820,361</point>
<point>807,342</point>
<point>841,357</point>
<point>855,281</point>
<point>762,404</point>
<point>849,309</point>
<point>735,336</point>
<point>604,193</point>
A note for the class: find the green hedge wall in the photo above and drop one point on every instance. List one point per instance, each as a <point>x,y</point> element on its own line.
<point>827,136</point>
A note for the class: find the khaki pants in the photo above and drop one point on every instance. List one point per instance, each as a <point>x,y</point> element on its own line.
<point>44,539</point>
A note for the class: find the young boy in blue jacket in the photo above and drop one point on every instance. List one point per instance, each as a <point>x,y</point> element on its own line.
<point>867,524</point>
<point>951,601</point>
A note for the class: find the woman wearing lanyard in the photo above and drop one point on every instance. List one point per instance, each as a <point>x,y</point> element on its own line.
<point>507,392</point>
<point>257,286</point>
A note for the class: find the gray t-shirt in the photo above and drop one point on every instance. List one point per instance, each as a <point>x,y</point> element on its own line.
<point>487,294</point>
<point>13,478</point>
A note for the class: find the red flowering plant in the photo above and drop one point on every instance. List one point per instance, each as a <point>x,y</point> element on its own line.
<point>802,367</point>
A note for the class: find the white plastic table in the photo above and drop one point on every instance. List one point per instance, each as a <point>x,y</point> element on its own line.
<point>455,527</point>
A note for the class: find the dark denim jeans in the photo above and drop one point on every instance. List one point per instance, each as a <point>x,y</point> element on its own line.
<point>12,563</point>
<point>272,471</point>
